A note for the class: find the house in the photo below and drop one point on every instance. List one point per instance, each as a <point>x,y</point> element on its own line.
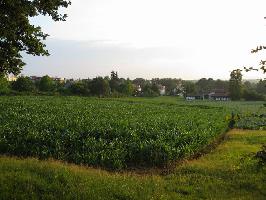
<point>11,77</point>
<point>162,90</point>
<point>215,95</point>
<point>138,88</point>
<point>35,78</point>
<point>190,97</point>
<point>219,95</point>
<point>60,80</point>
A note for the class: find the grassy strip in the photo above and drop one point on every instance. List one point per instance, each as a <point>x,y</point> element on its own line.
<point>229,172</point>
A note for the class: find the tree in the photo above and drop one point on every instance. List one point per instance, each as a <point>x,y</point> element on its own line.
<point>262,64</point>
<point>114,82</point>
<point>261,87</point>
<point>169,83</point>
<point>150,90</point>
<point>139,82</point>
<point>18,35</point>
<point>79,88</point>
<point>219,84</point>
<point>205,85</point>
<point>100,87</point>
<point>126,88</point>
<point>23,84</point>
<point>235,84</point>
<point>252,95</point>
<point>46,84</point>
<point>189,87</point>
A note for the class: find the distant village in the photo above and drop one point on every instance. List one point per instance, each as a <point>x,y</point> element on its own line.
<point>113,86</point>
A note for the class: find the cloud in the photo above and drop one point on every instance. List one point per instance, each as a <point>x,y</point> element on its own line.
<point>153,38</point>
<point>88,59</point>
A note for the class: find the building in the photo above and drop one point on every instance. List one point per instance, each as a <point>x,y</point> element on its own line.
<point>60,80</point>
<point>35,78</point>
<point>219,95</point>
<point>190,97</point>
<point>162,90</point>
<point>12,77</point>
<point>215,95</point>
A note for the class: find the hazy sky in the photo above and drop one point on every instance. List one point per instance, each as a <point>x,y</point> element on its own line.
<point>186,39</point>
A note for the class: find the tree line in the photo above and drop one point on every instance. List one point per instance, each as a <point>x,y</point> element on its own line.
<point>109,86</point>
<point>114,86</point>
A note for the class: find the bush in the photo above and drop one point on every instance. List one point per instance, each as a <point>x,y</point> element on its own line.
<point>23,84</point>
<point>261,156</point>
<point>251,95</point>
<point>46,84</point>
<point>4,85</point>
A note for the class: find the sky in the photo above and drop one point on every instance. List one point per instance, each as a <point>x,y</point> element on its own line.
<point>188,39</point>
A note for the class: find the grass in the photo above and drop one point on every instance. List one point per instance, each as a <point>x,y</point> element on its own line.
<point>228,172</point>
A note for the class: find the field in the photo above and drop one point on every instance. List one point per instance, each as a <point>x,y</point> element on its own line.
<point>116,133</point>
<point>109,133</point>
<point>228,172</point>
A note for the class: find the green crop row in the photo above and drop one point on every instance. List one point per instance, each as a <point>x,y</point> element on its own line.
<point>106,132</point>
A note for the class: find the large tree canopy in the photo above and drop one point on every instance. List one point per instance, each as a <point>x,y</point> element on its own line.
<point>18,35</point>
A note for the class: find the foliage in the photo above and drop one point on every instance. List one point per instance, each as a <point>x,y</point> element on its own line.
<point>114,81</point>
<point>189,87</point>
<point>261,87</point>
<point>235,84</point>
<point>4,85</point>
<point>23,84</point>
<point>150,90</point>
<point>105,132</point>
<point>99,87</point>
<point>169,83</point>
<point>18,35</point>
<point>46,84</point>
<point>140,81</point>
<point>252,95</point>
<point>261,156</point>
<point>262,62</point>
<point>205,85</point>
<point>126,88</point>
<point>80,88</point>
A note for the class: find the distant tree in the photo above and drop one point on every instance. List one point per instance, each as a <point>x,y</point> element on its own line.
<point>235,84</point>
<point>140,82</point>
<point>249,86</point>
<point>220,84</point>
<point>189,87</point>
<point>155,89</point>
<point>261,87</point>
<point>23,84</point>
<point>79,88</point>
<point>100,87</point>
<point>4,85</point>
<point>18,35</point>
<point>206,85</point>
<point>148,92</point>
<point>114,81</point>
<point>46,84</point>
<point>252,95</point>
<point>126,88</point>
<point>170,85</point>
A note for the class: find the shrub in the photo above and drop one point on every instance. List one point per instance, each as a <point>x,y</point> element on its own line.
<point>261,156</point>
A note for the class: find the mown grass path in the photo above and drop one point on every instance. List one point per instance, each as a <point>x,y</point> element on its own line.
<point>228,172</point>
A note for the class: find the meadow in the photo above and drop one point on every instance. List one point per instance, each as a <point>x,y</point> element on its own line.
<point>115,133</point>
